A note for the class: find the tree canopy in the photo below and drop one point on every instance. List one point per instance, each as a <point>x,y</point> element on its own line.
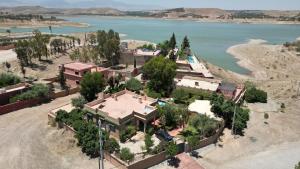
<point>160,72</point>
<point>91,84</point>
<point>172,42</point>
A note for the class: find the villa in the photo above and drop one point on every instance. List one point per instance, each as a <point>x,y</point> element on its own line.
<point>123,109</point>
<point>75,71</point>
<point>192,67</point>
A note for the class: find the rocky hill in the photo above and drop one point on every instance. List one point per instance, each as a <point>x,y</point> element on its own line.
<point>196,13</point>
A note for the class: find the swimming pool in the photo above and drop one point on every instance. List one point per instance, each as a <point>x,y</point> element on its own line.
<point>190,59</point>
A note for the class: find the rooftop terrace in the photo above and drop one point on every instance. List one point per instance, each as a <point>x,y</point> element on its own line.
<point>123,104</point>
<point>78,66</point>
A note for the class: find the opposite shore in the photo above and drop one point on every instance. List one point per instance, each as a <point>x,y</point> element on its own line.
<point>37,24</point>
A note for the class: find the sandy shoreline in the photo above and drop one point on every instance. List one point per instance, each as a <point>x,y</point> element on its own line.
<point>244,61</point>
<point>39,24</point>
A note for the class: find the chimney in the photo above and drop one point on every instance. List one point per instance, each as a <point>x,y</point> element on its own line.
<point>116,98</point>
<point>145,97</point>
<point>140,100</point>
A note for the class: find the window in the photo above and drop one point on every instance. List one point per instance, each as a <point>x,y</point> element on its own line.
<point>196,83</point>
<point>77,82</point>
<point>76,73</point>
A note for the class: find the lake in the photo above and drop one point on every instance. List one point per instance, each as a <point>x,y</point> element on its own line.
<point>208,40</point>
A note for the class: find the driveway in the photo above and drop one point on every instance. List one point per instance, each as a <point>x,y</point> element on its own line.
<point>27,142</point>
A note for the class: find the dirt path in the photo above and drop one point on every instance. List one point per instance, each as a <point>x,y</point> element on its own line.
<point>27,142</point>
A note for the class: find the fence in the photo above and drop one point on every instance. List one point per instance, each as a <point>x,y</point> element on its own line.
<point>63,93</point>
<point>19,105</point>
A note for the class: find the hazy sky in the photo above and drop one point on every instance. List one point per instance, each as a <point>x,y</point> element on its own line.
<point>152,4</point>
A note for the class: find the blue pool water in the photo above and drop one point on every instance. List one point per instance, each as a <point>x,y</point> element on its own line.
<point>190,59</point>
<point>208,40</point>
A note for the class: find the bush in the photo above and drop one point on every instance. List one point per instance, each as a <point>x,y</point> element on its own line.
<point>126,155</point>
<point>37,91</point>
<point>134,85</point>
<point>153,94</point>
<point>61,116</point>
<point>127,133</point>
<point>253,95</point>
<point>123,136</point>
<point>171,149</point>
<point>111,145</point>
<point>297,166</point>
<point>187,96</point>
<point>203,125</point>
<point>148,142</point>
<point>266,115</point>
<point>79,102</point>
<point>7,79</point>
<point>193,141</point>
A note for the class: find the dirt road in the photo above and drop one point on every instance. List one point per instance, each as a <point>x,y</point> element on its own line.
<point>27,142</point>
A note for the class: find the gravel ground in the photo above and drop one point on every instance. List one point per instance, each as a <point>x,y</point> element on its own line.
<point>7,55</point>
<point>27,142</point>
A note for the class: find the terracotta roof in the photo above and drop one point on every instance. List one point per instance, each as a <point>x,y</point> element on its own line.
<point>78,66</point>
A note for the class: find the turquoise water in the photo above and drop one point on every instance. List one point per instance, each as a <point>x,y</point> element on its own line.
<point>208,40</point>
<point>190,59</point>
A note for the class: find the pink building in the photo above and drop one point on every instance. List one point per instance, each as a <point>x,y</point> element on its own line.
<point>75,71</point>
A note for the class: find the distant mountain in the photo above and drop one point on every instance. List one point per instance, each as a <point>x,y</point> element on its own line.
<point>210,13</point>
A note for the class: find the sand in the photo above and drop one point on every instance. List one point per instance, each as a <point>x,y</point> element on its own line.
<point>7,56</point>
<point>7,24</point>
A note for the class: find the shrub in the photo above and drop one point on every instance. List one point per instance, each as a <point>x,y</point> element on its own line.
<point>193,141</point>
<point>37,91</point>
<point>171,149</point>
<point>7,79</point>
<point>134,85</point>
<point>297,166</point>
<point>79,102</point>
<point>253,95</point>
<point>153,94</point>
<point>282,106</point>
<point>203,125</point>
<point>111,145</point>
<point>61,116</point>
<point>126,155</point>
<point>127,133</point>
<point>123,136</point>
<point>148,142</point>
<point>266,115</point>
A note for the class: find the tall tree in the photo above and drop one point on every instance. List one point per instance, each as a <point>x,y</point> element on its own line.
<point>91,84</point>
<point>185,43</point>
<point>61,77</point>
<point>161,73</point>
<point>172,42</point>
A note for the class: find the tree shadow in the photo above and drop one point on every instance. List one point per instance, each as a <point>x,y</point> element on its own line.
<point>47,61</point>
<point>35,66</point>
<point>174,162</point>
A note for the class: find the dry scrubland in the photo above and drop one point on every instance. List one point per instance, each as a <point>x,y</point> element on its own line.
<point>268,143</point>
